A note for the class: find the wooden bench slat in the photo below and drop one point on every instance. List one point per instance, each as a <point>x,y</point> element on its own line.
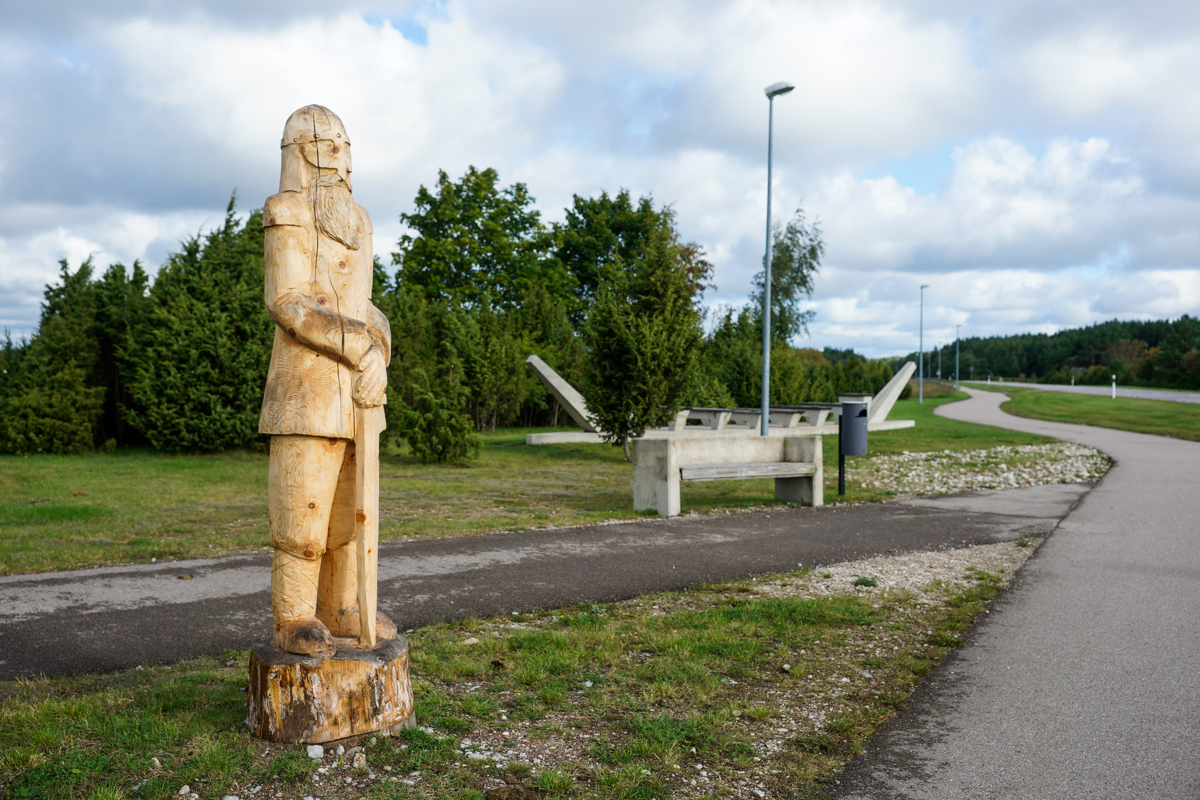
<point>774,469</point>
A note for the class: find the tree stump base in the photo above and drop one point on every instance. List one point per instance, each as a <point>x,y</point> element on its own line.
<point>303,699</point>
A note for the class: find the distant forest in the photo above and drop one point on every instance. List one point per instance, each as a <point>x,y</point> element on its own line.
<point>1160,353</point>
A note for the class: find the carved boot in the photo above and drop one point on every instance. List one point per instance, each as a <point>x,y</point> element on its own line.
<point>293,602</point>
<point>337,597</point>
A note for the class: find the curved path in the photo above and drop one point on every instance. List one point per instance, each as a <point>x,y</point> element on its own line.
<point>1084,680</point>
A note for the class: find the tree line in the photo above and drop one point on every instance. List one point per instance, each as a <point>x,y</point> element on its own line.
<point>611,298</point>
<point>1159,353</point>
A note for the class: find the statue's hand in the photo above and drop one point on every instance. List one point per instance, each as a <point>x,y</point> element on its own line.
<point>370,383</point>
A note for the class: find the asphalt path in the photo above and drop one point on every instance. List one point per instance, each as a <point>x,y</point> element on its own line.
<point>1084,680</point>
<point>1105,391</point>
<point>115,617</point>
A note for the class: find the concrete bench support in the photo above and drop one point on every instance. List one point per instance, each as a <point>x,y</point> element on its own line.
<point>660,465</point>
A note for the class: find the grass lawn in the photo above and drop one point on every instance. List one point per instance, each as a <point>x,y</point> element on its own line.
<point>712,692</point>
<point>1159,417</point>
<point>129,507</point>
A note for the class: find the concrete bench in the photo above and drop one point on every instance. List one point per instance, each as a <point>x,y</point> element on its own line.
<point>660,465</point>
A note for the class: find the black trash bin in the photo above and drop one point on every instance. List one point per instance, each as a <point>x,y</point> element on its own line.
<point>852,436</point>
<point>852,429</point>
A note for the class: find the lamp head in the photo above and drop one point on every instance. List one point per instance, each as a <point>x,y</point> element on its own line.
<point>783,87</point>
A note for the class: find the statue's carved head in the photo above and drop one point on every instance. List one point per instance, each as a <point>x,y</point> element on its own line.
<point>313,135</point>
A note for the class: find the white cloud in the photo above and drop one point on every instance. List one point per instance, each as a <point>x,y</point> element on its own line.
<point>28,263</point>
<point>1071,195</point>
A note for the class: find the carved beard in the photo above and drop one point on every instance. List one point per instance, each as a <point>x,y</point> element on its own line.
<point>337,214</point>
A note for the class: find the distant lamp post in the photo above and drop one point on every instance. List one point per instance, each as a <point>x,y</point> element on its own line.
<point>921,349</point>
<point>956,327</point>
<point>772,91</point>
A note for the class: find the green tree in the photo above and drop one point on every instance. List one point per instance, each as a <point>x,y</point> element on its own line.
<point>642,336</point>
<point>432,422</point>
<point>495,369</point>
<point>477,243</point>
<point>1177,364</point>
<point>120,304</point>
<point>50,401</point>
<point>601,235</point>
<point>544,328</point>
<point>199,355</point>
<point>796,252</point>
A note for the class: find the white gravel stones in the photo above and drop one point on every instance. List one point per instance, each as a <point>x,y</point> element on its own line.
<point>911,572</point>
<point>316,752</point>
<point>947,471</point>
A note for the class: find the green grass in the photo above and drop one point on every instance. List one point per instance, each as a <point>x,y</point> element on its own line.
<point>644,694</point>
<point>134,506</point>
<point>1158,417</point>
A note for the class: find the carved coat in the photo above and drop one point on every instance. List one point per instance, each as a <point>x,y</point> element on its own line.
<point>324,322</point>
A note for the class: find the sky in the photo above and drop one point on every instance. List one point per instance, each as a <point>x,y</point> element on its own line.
<point>1037,164</point>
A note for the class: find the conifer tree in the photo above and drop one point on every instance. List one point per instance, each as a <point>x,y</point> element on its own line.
<point>50,402</point>
<point>642,336</point>
<point>199,355</point>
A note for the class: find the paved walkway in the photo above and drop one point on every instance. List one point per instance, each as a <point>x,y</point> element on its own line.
<point>114,617</point>
<point>1105,391</point>
<point>1084,681</point>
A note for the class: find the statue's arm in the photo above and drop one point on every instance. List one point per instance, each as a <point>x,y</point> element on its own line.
<point>294,303</point>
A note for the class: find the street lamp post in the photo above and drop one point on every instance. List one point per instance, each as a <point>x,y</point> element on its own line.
<point>956,327</point>
<point>921,350</point>
<point>772,91</point>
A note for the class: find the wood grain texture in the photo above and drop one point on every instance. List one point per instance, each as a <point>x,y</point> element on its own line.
<point>292,698</point>
<point>366,517</point>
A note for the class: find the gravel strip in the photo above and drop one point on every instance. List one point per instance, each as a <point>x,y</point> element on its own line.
<point>949,471</point>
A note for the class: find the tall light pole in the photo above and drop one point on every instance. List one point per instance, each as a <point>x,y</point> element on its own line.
<point>921,350</point>
<point>772,91</point>
<point>956,327</point>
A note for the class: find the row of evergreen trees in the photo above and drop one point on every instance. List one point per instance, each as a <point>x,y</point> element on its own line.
<point>610,298</point>
<point>1162,353</point>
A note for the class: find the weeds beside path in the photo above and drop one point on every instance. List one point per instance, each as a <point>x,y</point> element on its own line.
<point>759,688</point>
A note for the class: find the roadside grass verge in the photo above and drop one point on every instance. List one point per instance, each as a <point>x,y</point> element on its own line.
<point>133,506</point>
<point>1158,417</point>
<point>758,688</point>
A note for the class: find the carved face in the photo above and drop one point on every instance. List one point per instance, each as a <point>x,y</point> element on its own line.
<point>329,154</point>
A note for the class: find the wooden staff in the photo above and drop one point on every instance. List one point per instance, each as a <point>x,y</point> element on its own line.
<point>368,425</point>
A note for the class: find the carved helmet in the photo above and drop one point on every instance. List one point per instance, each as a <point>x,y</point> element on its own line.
<point>313,122</point>
<point>306,127</point>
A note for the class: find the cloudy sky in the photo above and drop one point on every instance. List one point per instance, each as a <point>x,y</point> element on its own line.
<point>1036,163</point>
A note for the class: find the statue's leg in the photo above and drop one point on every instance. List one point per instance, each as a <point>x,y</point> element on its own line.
<point>337,598</point>
<point>302,479</point>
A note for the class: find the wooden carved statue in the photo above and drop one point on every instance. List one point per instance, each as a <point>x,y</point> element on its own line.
<point>323,404</point>
<point>334,667</point>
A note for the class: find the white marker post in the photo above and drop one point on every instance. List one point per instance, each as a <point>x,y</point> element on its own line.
<point>1114,397</point>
